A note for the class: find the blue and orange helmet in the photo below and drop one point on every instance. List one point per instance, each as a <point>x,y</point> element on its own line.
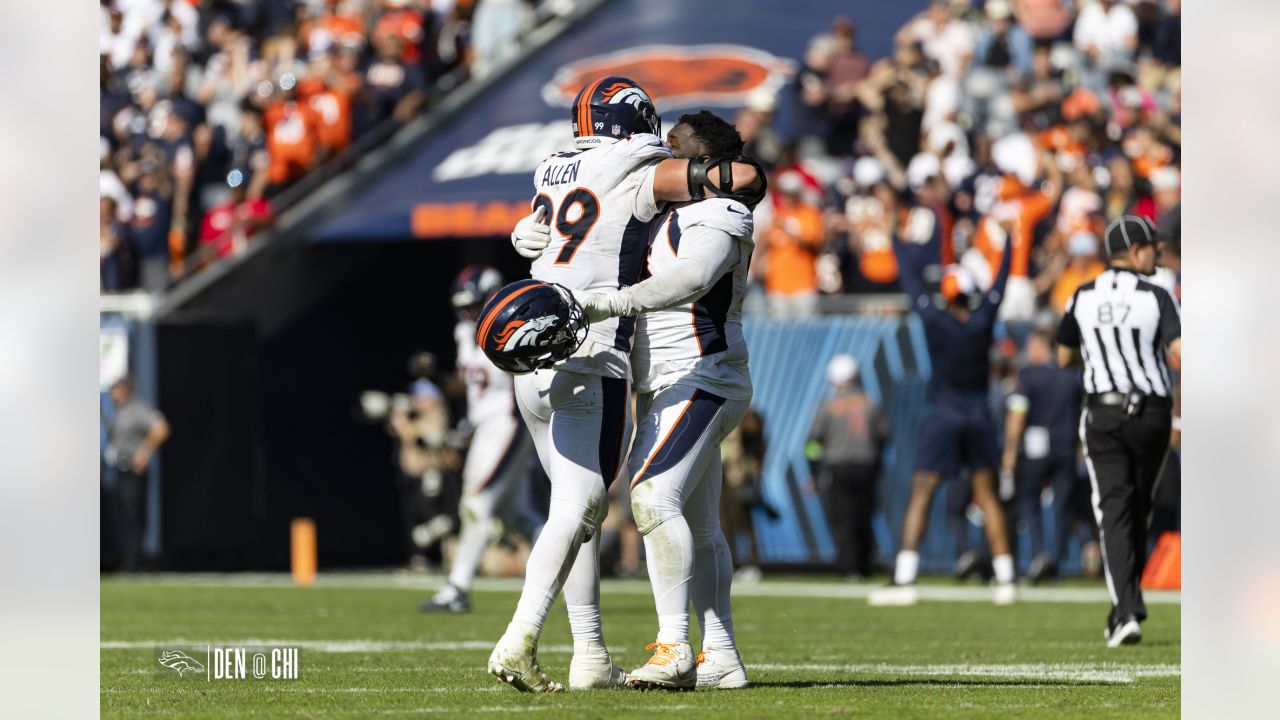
<point>529,325</point>
<point>474,285</point>
<point>612,108</point>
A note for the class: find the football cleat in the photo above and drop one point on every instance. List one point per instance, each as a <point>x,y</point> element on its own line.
<point>529,325</point>
<point>1125,632</point>
<point>514,661</point>
<point>894,596</point>
<point>593,669</point>
<point>609,109</point>
<point>448,599</point>
<point>721,670</point>
<point>670,668</point>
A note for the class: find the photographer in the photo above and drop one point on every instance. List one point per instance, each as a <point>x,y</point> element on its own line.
<point>427,459</point>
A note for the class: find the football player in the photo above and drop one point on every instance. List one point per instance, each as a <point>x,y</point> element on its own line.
<point>689,365</point>
<point>601,199</point>
<point>494,472</point>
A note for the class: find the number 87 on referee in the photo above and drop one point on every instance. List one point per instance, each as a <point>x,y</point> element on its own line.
<point>1121,326</point>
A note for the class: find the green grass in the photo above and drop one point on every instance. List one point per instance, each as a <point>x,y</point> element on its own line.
<point>807,657</point>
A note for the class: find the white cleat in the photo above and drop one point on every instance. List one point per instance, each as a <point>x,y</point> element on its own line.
<point>514,661</point>
<point>894,596</point>
<point>1004,594</point>
<point>671,668</point>
<point>1128,632</point>
<point>593,669</point>
<point>721,670</point>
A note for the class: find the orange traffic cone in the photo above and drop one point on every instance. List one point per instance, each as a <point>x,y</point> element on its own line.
<point>1164,568</point>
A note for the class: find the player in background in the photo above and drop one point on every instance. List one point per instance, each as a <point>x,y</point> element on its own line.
<point>601,199</point>
<point>690,369</point>
<point>493,476</point>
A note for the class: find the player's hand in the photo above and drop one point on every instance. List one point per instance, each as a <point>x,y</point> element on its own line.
<point>531,235</point>
<point>596,306</point>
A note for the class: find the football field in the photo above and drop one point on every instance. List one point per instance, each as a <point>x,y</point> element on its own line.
<point>813,648</point>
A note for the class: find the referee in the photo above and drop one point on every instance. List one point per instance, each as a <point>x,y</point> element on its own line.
<point>1121,324</point>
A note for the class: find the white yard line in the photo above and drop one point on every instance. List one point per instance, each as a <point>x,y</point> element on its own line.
<point>1080,672</point>
<point>328,646</point>
<point>383,580</point>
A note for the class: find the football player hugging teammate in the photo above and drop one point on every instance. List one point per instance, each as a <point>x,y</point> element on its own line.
<point>603,200</point>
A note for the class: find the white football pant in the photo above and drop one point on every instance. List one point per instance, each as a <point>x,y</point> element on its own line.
<point>493,484</point>
<point>675,499</point>
<point>579,424</point>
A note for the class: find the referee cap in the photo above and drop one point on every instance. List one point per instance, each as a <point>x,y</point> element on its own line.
<point>1127,231</point>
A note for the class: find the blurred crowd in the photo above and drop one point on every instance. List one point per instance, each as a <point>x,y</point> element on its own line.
<point>1020,123</point>
<point>209,109</point>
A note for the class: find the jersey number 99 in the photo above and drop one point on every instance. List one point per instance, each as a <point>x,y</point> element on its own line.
<point>574,231</point>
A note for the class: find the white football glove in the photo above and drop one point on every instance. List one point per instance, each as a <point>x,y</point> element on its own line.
<point>597,306</point>
<point>531,235</point>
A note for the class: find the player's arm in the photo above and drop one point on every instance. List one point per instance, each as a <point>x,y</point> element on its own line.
<point>672,182</point>
<point>705,255</point>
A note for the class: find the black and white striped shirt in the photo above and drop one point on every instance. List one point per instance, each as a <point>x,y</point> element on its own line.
<point>1122,324</point>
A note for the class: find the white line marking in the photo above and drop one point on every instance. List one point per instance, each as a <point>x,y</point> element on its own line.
<point>1080,672</point>
<point>329,646</point>
<point>768,588</point>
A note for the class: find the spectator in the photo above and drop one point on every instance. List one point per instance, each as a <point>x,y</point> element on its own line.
<point>402,21</point>
<point>1166,46</point>
<point>846,440</point>
<point>792,243</point>
<point>1106,31</point>
<point>392,88</point>
<point>1040,445</point>
<point>150,226</point>
<point>945,39</point>
<point>1083,266</point>
<point>228,226</point>
<point>293,134</point>
<point>133,435</point>
<point>495,30</point>
<point>115,248</point>
<point>1043,19</point>
<point>1002,43</point>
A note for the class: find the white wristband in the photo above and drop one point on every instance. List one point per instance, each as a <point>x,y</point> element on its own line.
<point>1177,423</point>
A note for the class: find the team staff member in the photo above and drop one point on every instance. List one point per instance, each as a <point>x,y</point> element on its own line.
<point>957,430</point>
<point>1120,325</point>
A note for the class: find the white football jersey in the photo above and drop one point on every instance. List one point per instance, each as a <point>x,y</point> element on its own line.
<point>600,208</point>
<point>490,392</point>
<point>699,343</point>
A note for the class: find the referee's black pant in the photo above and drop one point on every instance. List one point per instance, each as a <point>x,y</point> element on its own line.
<point>1124,454</point>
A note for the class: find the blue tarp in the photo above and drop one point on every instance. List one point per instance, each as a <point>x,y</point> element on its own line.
<point>470,177</point>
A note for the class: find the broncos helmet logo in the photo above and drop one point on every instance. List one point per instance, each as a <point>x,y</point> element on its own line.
<point>526,334</point>
<point>180,661</point>
<point>624,93</point>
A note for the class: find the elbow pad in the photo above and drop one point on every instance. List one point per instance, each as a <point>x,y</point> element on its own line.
<point>700,183</point>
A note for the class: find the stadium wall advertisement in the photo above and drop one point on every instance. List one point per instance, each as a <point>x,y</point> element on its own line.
<point>471,178</point>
